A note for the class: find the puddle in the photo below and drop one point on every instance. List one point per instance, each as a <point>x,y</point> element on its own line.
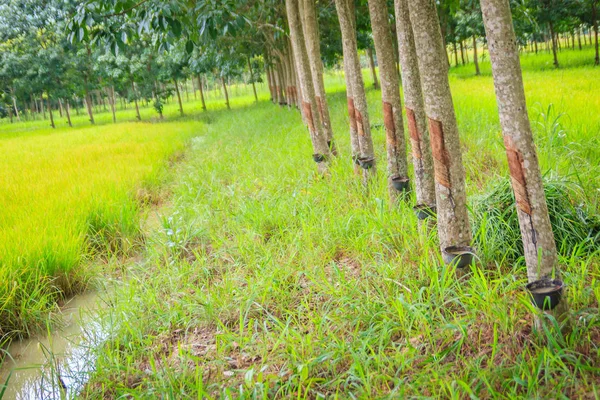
<point>55,365</point>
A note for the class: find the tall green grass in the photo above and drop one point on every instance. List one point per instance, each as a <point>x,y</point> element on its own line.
<point>66,195</point>
<point>265,280</point>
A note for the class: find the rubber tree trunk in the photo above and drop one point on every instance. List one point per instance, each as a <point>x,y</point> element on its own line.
<point>372,66</point>
<point>358,101</point>
<point>451,198</point>
<point>88,105</point>
<point>68,112</point>
<point>455,49</point>
<point>475,57</point>
<point>415,108</point>
<point>14,101</point>
<point>200,88</point>
<point>42,106</point>
<point>390,95</point>
<point>462,52</point>
<point>309,104</point>
<point>252,79</point>
<point>311,35</point>
<point>178,97</point>
<point>60,108</point>
<point>112,103</point>
<point>540,249</point>
<point>554,44</point>
<point>50,113</point>
<point>137,107</point>
<point>595,25</point>
<point>225,92</point>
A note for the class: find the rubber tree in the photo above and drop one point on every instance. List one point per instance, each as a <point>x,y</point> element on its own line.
<point>309,104</point>
<point>311,35</point>
<point>534,221</point>
<point>357,99</point>
<point>451,198</point>
<point>415,108</point>
<point>390,94</point>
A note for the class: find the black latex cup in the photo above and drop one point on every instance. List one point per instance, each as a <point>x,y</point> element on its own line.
<point>401,184</point>
<point>459,256</point>
<point>423,211</point>
<point>545,293</point>
<point>366,162</point>
<point>318,158</point>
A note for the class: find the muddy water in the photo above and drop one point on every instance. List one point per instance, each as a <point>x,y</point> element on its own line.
<point>55,365</point>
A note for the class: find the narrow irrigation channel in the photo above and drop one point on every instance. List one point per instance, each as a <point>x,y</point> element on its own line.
<point>58,364</point>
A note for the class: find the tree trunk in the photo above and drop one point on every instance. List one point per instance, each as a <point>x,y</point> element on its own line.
<point>187,93</point>
<point>280,83</point>
<point>225,92</point>
<point>455,53</point>
<point>390,95</point>
<point>475,58</point>
<point>88,103</point>
<point>201,92</point>
<point>540,249</point>
<point>595,25</point>
<point>42,106</point>
<point>137,107</point>
<point>462,52</point>
<point>50,112</point>
<point>60,108</point>
<point>358,101</point>
<point>309,104</point>
<point>252,79</point>
<point>112,100</point>
<point>451,198</point>
<point>14,101</point>
<point>553,38</point>
<point>415,109</point>
<point>311,34</point>
<point>68,112</point>
<point>535,44</point>
<point>372,66</point>
<point>178,97</point>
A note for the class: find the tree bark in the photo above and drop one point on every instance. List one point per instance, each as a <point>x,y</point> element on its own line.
<point>201,92</point>
<point>137,107</point>
<point>112,103</point>
<point>554,45</point>
<point>415,108</point>
<point>50,112</point>
<point>372,66</point>
<point>311,35</point>
<point>14,101</point>
<point>540,249</point>
<point>455,54</point>
<point>68,112</point>
<point>88,104</point>
<point>178,97</point>
<point>451,199</point>
<point>358,101</point>
<point>595,25</point>
<point>475,58</point>
<point>252,79</point>
<point>42,106</point>
<point>225,92</point>
<point>390,95</point>
<point>462,52</point>
<point>309,104</point>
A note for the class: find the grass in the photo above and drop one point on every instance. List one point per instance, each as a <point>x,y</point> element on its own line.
<point>266,281</point>
<point>64,194</point>
<point>263,280</point>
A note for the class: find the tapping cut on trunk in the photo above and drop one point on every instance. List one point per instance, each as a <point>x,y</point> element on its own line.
<point>308,115</point>
<point>359,123</point>
<point>320,108</point>
<point>441,159</point>
<point>517,175</point>
<point>415,137</point>
<point>388,122</point>
<point>352,114</point>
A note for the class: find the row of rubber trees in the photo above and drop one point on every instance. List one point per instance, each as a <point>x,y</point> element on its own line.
<point>296,77</point>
